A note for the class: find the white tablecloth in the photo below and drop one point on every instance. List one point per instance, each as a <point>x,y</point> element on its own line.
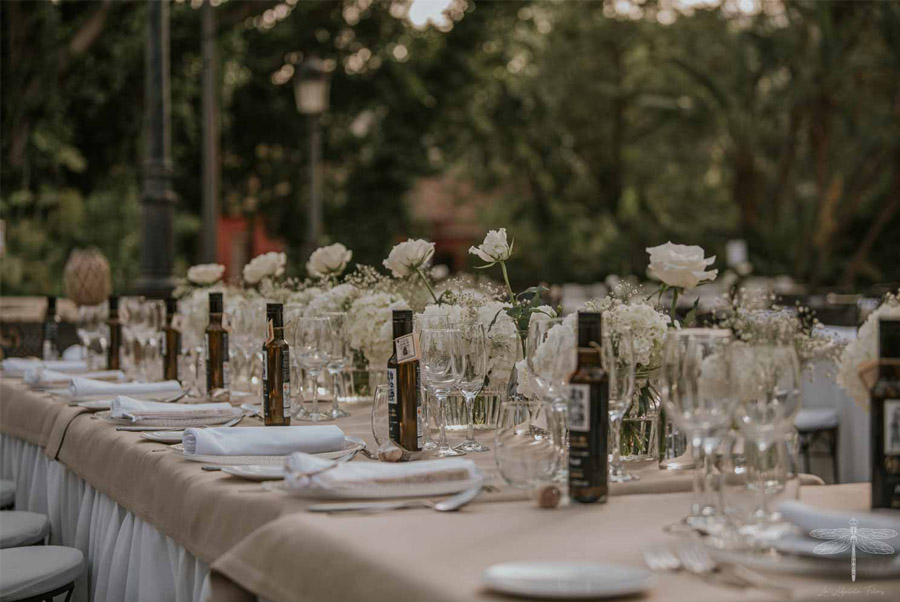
<point>127,559</point>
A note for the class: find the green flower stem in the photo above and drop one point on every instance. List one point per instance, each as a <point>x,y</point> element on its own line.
<point>512,295</point>
<point>674,304</point>
<point>427,284</point>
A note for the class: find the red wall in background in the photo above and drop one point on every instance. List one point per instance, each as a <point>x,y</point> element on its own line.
<point>236,246</point>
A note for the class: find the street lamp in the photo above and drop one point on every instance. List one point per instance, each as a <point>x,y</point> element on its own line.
<point>311,86</point>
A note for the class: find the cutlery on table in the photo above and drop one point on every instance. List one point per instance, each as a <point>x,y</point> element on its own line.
<point>449,504</point>
<point>231,422</point>
<point>339,460</point>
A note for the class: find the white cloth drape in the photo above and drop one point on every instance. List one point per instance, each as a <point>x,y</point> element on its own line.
<point>127,559</point>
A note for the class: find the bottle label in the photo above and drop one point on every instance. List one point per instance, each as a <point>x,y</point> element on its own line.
<point>286,384</point>
<point>163,349</point>
<point>392,386</point>
<point>407,348</point>
<point>265,383</point>
<point>579,408</point>
<point>892,427</point>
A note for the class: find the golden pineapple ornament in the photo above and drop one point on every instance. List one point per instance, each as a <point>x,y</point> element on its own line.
<point>87,277</point>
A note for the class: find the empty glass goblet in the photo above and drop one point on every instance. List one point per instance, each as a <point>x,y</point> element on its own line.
<point>441,371</point>
<point>618,361</point>
<point>339,357</point>
<point>525,456</point>
<point>311,341</point>
<point>473,356</point>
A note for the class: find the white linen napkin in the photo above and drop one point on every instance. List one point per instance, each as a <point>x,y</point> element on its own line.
<point>807,518</point>
<point>74,352</point>
<point>82,387</point>
<point>137,410</point>
<point>263,440</point>
<point>351,474</point>
<point>17,366</point>
<point>41,376</point>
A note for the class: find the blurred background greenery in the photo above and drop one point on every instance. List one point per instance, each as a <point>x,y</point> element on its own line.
<point>591,130</point>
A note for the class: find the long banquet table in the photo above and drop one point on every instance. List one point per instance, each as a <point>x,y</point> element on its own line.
<point>151,523</point>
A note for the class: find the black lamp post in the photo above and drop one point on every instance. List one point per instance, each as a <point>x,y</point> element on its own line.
<point>311,87</point>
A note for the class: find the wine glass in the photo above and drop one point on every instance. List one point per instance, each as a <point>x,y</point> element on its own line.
<point>93,334</point>
<point>473,356</point>
<point>380,416</point>
<point>550,354</point>
<point>339,355</point>
<point>696,392</point>
<point>441,369</point>
<point>312,344</point>
<point>525,456</point>
<point>618,361</point>
<point>292,313</point>
<point>767,388</point>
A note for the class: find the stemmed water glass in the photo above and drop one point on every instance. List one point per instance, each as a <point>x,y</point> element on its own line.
<point>767,389</point>
<point>696,391</point>
<point>93,333</point>
<point>247,318</point>
<point>311,342</point>
<point>440,364</point>
<point>550,353</point>
<point>473,356</point>
<point>339,356</point>
<point>618,361</point>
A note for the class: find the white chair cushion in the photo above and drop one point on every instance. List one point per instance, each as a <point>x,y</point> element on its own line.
<point>816,419</point>
<point>34,570</point>
<point>22,528</point>
<point>7,493</point>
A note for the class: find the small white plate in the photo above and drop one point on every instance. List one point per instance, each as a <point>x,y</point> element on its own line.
<point>566,580</point>
<point>163,436</point>
<point>256,472</point>
<point>350,444</point>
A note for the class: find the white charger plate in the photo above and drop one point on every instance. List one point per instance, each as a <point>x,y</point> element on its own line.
<point>867,566</point>
<point>566,580</point>
<point>256,472</point>
<point>378,492</point>
<point>163,436</point>
<point>350,444</point>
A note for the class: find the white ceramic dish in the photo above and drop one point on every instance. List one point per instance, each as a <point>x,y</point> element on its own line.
<point>350,444</point>
<point>867,566</point>
<point>256,472</point>
<point>566,580</point>
<point>378,492</point>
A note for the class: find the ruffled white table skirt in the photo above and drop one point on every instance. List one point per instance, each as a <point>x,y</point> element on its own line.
<point>127,559</point>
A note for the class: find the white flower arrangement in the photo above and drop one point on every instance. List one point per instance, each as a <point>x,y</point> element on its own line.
<point>648,326</point>
<point>369,326</point>
<point>864,349</point>
<point>681,266</point>
<point>495,248</point>
<point>267,265</point>
<point>329,262</point>
<point>336,299</point>
<point>205,274</point>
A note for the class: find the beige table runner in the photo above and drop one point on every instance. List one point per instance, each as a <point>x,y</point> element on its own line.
<point>425,555</point>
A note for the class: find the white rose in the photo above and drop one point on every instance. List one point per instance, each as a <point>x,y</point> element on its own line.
<point>680,265</point>
<point>205,273</point>
<point>494,248</point>
<point>407,256</point>
<point>328,261</point>
<point>262,266</point>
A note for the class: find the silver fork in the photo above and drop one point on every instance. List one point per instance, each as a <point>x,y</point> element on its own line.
<point>695,559</point>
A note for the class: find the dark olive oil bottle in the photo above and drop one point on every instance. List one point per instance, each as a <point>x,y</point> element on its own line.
<point>885,425</point>
<point>404,387</point>
<point>171,342</point>
<point>50,332</point>
<point>114,348</point>
<point>588,416</point>
<point>217,365</point>
<point>276,370</point>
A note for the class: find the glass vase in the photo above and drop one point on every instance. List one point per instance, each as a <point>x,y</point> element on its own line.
<point>641,424</point>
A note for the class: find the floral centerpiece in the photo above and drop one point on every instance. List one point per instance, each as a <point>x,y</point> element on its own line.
<point>861,354</point>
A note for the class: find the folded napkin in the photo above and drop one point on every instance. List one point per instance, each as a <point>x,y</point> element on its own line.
<point>807,518</point>
<point>41,376</point>
<point>82,387</point>
<point>138,410</point>
<point>263,440</point>
<point>18,366</point>
<point>351,474</point>
<point>74,352</point>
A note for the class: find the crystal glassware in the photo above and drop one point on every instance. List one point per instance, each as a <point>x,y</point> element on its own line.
<point>697,394</point>
<point>618,361</point>
<point>311,342</point>
<point>473,371</point>
<point>93,334</point>
<point>441,365</point>
<point>767,387</point>
<point>380,426</point>
<point>340,355</point>
<point>526,457</point>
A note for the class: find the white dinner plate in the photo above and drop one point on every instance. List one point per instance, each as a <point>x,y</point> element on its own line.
<point>350,444</point>
<point>378,492</point>
<point>256,472</point>
<point>867,566</point>
<point>163,436</point>
<point>566,580</point>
